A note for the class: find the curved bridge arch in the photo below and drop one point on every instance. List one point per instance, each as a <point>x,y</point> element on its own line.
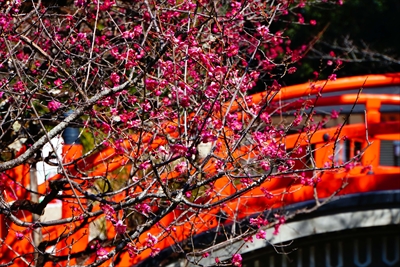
<point>254,201</point>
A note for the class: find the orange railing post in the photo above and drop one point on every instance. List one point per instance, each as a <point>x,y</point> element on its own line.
<point>72,150</point>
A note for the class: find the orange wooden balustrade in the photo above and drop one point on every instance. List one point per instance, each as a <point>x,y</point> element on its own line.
<point>253,201</point>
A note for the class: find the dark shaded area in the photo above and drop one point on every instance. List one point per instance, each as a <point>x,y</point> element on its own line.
<point>363,34</point>
<point>373,246</point>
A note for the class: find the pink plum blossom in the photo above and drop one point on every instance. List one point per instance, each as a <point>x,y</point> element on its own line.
<point>120,228</point>
<point>53,105</point>
<point>237,260</point>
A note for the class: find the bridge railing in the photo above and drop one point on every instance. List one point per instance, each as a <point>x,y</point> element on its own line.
<point>338,145</point>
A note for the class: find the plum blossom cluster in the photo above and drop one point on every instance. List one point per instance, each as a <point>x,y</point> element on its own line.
<point>101,252</point>
<point>150,242</point>
<point>237,260</point>
<point>259,222</point>
<point>160,93</point>
<point>110,215</point>
<point>280,220</point>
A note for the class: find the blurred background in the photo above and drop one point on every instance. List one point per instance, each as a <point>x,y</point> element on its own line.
<point>363,34</point>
